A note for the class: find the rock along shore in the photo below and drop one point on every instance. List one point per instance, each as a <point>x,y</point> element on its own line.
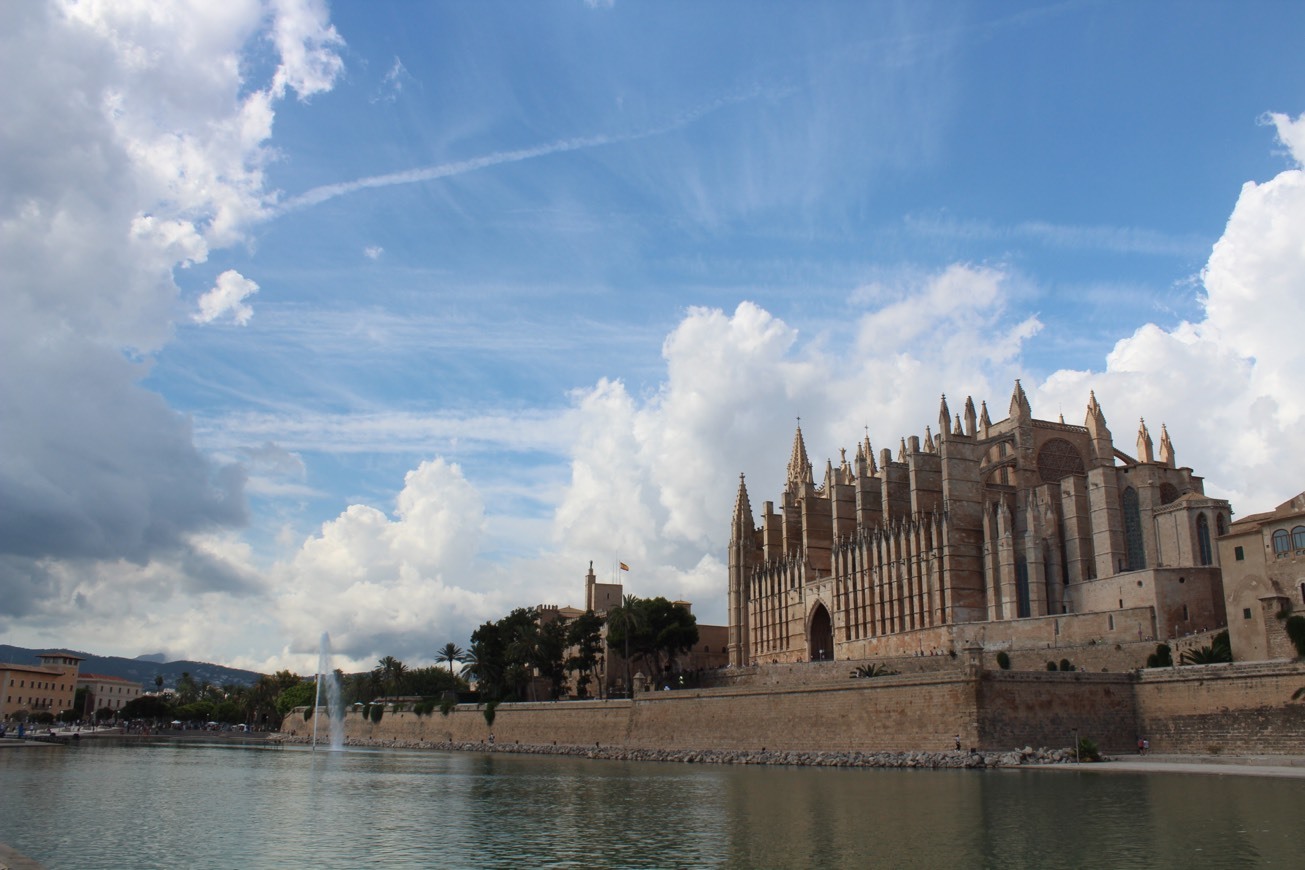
<point>952,759</point>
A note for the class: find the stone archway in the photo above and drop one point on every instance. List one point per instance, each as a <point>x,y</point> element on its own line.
<point>820,635</point>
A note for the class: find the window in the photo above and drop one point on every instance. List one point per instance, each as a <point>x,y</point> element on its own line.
<point>1298,537</point>
<point>1281,543</point>
<point>1239,554</point>
<point>1246,613</point>
<point>1220,525</point>
<point>1186,617</point>
<point>1134,548</point>
<point>1203,540</point>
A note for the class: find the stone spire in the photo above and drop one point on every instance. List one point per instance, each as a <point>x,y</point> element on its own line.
<point>844,469</point>
<point>799,467</point>
<point>1166,448</point>
<point>985,422</point>
<point>1019,404</point>
<point>869,453</point>
<point>742,524</point>
<point>1144,447</point>
<point>901,451</point>
<point>1102,440</point>
<point>928,439</point>
<point>957,430</point>
<point>969,416</point>
<point>944,417</point>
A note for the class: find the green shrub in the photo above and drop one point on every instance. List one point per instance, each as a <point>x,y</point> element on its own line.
<point>378,710</point>
<point>308,713</point>
<point>1163,657</point>
<point>1087,750</point>
<point>1296,631</point>
<point>1003,660</point>
<point>447,703</point>
<point>490,710</point>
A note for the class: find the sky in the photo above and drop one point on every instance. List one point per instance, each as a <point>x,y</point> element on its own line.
<point>383,319</point>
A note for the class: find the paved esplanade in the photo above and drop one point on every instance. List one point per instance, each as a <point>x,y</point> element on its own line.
<point>1289,766</point>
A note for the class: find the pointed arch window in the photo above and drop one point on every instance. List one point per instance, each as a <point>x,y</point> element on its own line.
<point>1134,550</point>
<point>1203,540</point>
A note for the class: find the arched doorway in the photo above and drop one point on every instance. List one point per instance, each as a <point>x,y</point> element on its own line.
<point>820,636</point>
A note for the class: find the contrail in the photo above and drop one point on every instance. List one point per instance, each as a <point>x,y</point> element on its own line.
<point>325,192</point>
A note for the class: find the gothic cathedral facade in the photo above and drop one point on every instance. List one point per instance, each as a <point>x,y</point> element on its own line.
<point>1018,527</point>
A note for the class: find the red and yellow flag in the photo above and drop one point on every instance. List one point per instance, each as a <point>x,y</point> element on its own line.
<point>625,567</point>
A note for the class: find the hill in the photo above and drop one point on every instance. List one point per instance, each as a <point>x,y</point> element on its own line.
<point>141,670</point>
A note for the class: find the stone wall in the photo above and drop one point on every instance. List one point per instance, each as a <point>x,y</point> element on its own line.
<point>1047,709</point>
<point>1224,708</point>
<point>1230,708</point>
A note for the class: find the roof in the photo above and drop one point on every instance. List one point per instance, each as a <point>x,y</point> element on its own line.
<point>104,678</point>
<point>33,669</point>
<point>1293,507</point>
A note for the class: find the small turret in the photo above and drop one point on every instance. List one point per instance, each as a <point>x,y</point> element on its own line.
<point>969,416</point>
<point>1166,448</point>
<point>1102,441</point>
<point>985,422</point>
<point>1020,410</point>
<point>944,416</point>
<point>1145,452</point>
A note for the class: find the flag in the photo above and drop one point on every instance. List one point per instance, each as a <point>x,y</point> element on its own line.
<point>625,567</point>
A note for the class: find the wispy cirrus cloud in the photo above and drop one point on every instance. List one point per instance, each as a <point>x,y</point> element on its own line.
<point>1120,240</point>
<point>325,192</point>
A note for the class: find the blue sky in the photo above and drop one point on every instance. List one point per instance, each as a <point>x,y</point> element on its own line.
<point>384,318</point>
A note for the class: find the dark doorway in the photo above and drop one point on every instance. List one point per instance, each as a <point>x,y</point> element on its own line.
<point>820,643</point>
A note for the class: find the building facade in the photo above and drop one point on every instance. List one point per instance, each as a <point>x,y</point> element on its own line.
<point>983,524</point>
<point>49,686</point>
<point>1263,557</point>
<point>107,693</point>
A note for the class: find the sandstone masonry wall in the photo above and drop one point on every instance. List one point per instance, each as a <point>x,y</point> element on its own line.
<point>1223,708</point>
<point>1229,708</point>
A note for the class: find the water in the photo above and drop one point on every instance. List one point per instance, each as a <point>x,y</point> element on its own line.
<point>212,806</point>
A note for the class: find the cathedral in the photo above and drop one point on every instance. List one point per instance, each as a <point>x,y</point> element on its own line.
<point>1022,528</point>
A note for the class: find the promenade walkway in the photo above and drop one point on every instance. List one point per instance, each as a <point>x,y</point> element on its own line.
<point>1288,766</point>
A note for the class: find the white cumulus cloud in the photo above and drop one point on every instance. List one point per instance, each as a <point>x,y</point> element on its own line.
<point>227,299</point>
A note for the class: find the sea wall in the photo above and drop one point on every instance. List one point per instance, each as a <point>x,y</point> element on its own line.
<point>1224,708</point>
<point>1236,709</point>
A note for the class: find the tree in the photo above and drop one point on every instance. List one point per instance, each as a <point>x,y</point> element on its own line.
<point>302,694</point>
<point>158,682</point>
<point>585,636</point>
<point>432,681</point>
<point>187,689</point>
<point>623,621</point>
<point>391,672</point>
<point>146,707</point>
<point>654,630</point>
<point>1161,658</point>
<point>450,653</point>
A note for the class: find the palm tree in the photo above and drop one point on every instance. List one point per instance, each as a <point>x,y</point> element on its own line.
<point>625,619</point>
<point>450,653</point>
<point>391,674</point>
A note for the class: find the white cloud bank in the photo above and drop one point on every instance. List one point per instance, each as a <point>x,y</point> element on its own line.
<point>133,146</point>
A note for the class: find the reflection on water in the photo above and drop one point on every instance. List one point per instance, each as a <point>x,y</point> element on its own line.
<point>167,805</point>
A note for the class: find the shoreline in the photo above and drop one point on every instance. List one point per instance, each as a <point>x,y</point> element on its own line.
<point>1027,758</point>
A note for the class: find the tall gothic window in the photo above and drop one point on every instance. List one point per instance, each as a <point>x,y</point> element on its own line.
<point>1134,548</point>
<point>1023,606</point>
<point>1203,539</point>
